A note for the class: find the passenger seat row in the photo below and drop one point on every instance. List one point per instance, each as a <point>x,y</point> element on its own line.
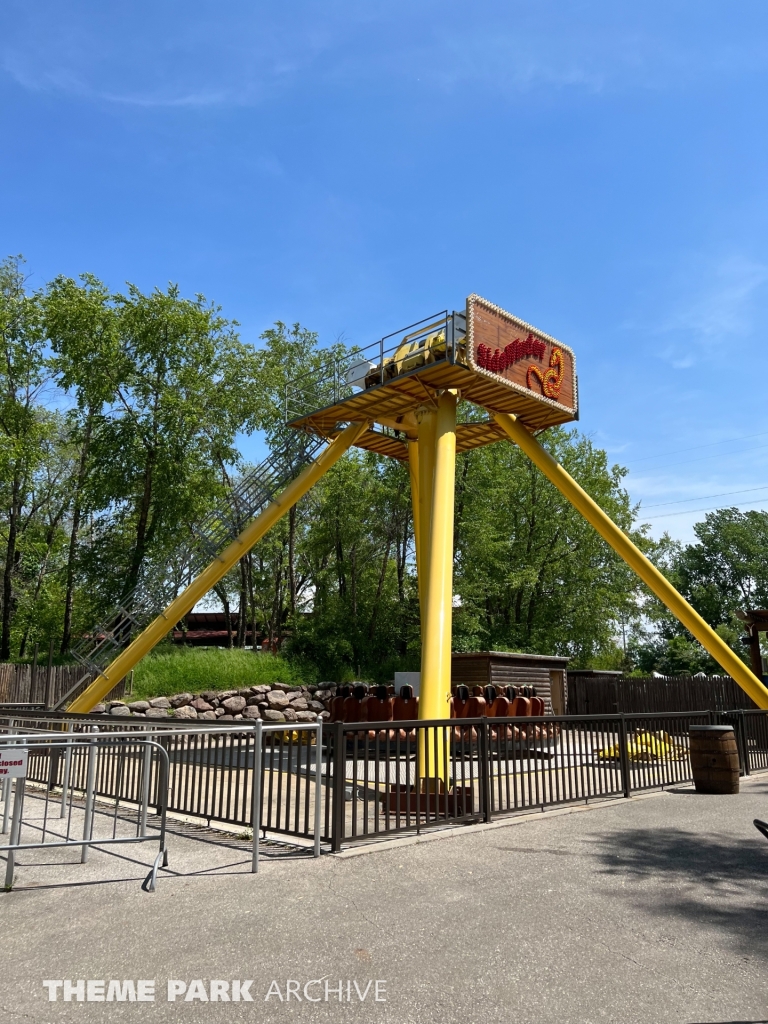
<point>488,702</point>
<point>378,706</point>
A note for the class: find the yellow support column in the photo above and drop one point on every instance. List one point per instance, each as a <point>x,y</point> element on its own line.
<point>438,611</point>
<point>426,418</point>
<point>635,559</point>
<point>413,469</point>
<point>218,568</point>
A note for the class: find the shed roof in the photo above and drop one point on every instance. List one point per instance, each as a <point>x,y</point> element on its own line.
<point>519,656</point>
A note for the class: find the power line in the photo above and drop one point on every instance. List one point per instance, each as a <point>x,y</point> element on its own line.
<point>706,497</point>
<point>711,444</point>
<point>717,455</point>
<point>711,508</point>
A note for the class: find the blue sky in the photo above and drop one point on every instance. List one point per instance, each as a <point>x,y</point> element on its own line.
<point>598,169</point>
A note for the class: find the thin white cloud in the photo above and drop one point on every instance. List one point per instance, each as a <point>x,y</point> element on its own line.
<point>725,304</point>
<point>153,56</point>
<point>721,301</point>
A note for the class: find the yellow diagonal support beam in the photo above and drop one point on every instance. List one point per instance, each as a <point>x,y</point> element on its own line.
<point>218,568</point>
<point>635,559</point>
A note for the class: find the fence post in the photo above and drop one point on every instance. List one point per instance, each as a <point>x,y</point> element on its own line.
<point>18,804</point>
<point>146,772</point>
<point>624,756</point>
<point>256,793</point>
<point>33,675</point>
<point>49,678</point>
<point>166,741</point>
<point>90,785</point>
<point>6,798</point>
<point>67,769</point>
<point>318,783</point>
<point>741,740</point>
<point>339,773</point>
<point>485,769</point>
<point>7,783</point>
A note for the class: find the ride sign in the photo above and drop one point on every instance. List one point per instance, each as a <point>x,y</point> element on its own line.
<point>524,358</point>
<point>13,762</point>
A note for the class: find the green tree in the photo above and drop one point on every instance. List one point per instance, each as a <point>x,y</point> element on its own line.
<point>531,573</point>
<point>725,570</point>
<point>82,326</point>
<point>353,559</point>
<point>166,385</point>
<point>728,566</point>
<point>24,374</point>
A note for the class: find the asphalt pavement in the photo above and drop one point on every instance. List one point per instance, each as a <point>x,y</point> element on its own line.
<point>641,910</point>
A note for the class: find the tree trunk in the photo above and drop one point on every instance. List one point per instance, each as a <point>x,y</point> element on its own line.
<point>379,588</point>
<point>251,599</point>
<point>66,637</point>
<point>291,560</point>
<point>142,528</point>
<point>340,566</point>
<point>242,615</point>
<point>222,596</point>
<point>353,580</point>
<point>402,556</point>
<point>10,560</point>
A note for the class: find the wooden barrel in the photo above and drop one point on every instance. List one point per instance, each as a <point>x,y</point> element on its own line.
<point>714,759</point>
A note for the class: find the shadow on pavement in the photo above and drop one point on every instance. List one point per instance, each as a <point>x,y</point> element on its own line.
<point>708,879</point>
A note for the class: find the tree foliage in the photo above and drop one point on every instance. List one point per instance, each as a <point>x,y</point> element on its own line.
<point>119,420</point>
<point>724,571</point>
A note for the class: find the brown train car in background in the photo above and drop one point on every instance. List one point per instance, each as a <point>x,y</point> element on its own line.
<point>549,675</point>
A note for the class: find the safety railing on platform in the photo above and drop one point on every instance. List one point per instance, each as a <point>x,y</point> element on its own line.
<point>351,782</point>
<point>347,370</point>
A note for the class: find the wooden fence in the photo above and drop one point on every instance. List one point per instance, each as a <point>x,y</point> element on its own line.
<point>630,695</point>
<point>19,684</point>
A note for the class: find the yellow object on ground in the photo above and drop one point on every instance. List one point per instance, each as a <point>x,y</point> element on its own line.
<point>635,559</point>
<point>218,568</point>
<point>646,746</point>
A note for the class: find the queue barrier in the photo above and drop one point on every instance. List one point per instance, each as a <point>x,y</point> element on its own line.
<point>347,782</point>
<point>176,769</point>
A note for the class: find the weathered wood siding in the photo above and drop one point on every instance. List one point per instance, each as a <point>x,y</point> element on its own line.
<point>626,694</point>
<point>501,669</point>
<point>18,684</point>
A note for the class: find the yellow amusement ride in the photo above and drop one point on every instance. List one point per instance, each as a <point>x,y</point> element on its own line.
<point>399,397</point>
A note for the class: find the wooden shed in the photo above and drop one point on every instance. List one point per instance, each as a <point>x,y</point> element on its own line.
<point>508,668</point>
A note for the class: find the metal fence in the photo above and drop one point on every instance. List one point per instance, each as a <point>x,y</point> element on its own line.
<point>196,771</point>
<point>487,767</point>
<point>349,782</point>
<point>38,819</point>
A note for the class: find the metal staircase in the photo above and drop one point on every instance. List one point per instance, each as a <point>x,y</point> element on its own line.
<point>223,524</point>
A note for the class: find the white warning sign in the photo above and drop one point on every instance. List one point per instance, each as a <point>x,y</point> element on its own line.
<point>13,762</point>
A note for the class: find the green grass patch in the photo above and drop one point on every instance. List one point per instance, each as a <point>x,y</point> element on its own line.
<point>189,669</point>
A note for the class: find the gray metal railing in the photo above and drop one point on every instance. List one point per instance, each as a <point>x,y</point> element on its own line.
<point>435,338</point>
<point>200,771</point>
<point>77,811</point>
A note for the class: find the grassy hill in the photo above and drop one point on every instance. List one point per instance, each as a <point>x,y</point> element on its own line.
<point>179,669</point>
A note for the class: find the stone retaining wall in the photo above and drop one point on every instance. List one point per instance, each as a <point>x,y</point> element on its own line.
<point>274,702</point>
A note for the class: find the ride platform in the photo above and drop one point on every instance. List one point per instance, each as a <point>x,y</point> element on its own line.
<point>494,360</point>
